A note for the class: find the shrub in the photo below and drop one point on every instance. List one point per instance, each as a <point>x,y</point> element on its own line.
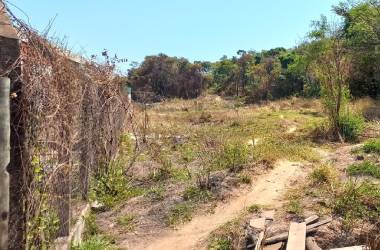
<point>322,174</point>
<point>95,243</point>
<point>127,222</point>
<point>112,186</point>
<point>166,169</point>
<point>294,206</point>
<point>350,126</point>
<point>220,244</point>
<point>255,208</point>
<point>245,178</point>
<point>372,146</point>
<point>233,156</point>
<point>364,168</point>
<point>91,228</point>
<point>358,201</point>
<point>204,117</point>
<point>180,213</point>
<point>156,193</point>
<point>196,194</point>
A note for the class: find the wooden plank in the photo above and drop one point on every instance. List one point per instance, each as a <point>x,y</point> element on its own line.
<point>297,236</point>
<point>322,222</point>
<point>259,241</point>
<point>309,229</point>
<point>311,219</point>
<point>311,244</point>
<point>277,246</point>
<point>350,248</point>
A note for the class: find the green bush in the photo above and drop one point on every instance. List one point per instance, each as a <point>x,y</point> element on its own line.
<point>220,244</point>
<point>364,168</point>
<point>294,207</point>
<point>351,126</point>
<point>95,243</point>
<point>358,201</point>
<point>112,185</point>
<point>91,228</point>
<point>372,146</point>
<point>233,156</point>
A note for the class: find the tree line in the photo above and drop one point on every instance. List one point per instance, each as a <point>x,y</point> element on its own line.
<point>278,72</point>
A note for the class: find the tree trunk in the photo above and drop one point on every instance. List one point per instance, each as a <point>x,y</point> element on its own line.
<point>4,160</point>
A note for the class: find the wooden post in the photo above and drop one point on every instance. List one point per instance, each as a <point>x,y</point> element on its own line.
<point>4,160</point>
<point>9,54</point>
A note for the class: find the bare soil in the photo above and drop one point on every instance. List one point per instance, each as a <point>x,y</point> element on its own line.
<point>267,189</point>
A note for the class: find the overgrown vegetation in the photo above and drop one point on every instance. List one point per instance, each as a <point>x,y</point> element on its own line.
<point>372,146</point>
<point>112,185</point>
<point>95,243</point>
<point>180,213</point>
<point>335,60</point>
<point>351,199</point>
<point>127,222</point>
<point>364,168</point>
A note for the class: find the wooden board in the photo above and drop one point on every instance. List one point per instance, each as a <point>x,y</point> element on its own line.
<point>297,236</point>
<point>311,244</point>
<point>276,246</point>
<point>350,248</point>
<point>259,241</point>
<point>311,219</point>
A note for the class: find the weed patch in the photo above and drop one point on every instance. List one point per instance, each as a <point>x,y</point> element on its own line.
<point>233,156</point>
<point>197,194</point>
<point>358,201</point>
<point>372,146</point>
<point>220,244</point>
<point>254,208</point>
<point>365,168</point>
<point>180,213</point>
<point>112,186</point>
<point>95,242</point>
<point>244,178</point>
<point>127,222</point>
<point>323,174</point>
<point>156,193</point>
<point>351,126</point>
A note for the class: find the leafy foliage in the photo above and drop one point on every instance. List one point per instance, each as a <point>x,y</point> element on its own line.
<point>351,125</point>
<point>112,185</point>
<point>163,76</point>
<point>372,146</point>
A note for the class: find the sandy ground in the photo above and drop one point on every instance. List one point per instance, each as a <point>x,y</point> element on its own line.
<point>267,189</point>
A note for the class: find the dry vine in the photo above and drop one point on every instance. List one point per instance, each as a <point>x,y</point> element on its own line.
<point>72,112</point>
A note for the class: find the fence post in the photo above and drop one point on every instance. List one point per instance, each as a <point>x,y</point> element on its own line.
<point>4,160</point>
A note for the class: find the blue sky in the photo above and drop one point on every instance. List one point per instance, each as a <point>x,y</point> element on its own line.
<point>195,29</point>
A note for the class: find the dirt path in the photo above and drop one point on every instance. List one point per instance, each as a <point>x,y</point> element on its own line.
<point>266,190</point>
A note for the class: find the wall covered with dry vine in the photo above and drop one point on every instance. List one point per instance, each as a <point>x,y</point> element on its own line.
<point>66,118</point>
